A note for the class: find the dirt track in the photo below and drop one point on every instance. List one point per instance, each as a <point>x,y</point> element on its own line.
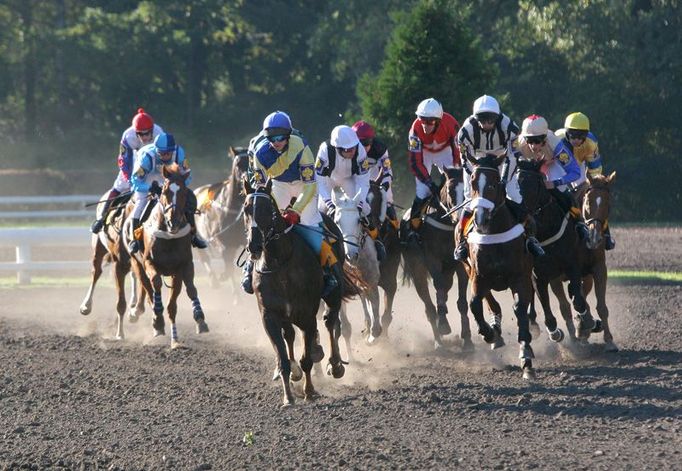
<point>70,397</point>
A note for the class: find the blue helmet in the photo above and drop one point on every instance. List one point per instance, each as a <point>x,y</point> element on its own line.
<point>165,143</point>
<point>276,123</point>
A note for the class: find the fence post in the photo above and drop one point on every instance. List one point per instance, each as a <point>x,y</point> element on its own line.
<point>23,256</point>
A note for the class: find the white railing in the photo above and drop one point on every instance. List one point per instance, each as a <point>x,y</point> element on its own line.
<point>74,200</point>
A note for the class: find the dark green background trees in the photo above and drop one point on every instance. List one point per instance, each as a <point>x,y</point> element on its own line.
<point>72,73</point>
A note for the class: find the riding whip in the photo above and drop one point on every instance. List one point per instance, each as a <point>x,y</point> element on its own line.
<point>87,205</point>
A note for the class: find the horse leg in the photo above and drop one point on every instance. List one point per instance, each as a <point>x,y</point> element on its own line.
<point>331,322</point>
<point>586,323</point>
<point>442,284</point>
<point>176,289</point>
<point>273,327</point>
<point>422,287</point>
<point>97,257</point>
<point>290,338</point>
<point>600,280</point>
<point>345,328</point>
<point>489,334</point>
<point>120,270</point>
<point>371,306</point>
<point>309,341</point>
<point>564,306</point>
<point>158,323</point>
<point>390,287</point>
<point>521,300</point>
<point>192,293</point>
<point>555,333</point>
<point>533,317</point>
<point>142,294</point>
<point>495,316</point>
<point>463,307</point>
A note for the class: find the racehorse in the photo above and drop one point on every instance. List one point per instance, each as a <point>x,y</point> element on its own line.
<point>168,252</point>
<point>596,203</point>
<point>288,283</point>
<point>108,245</point>
<point>360,253</point>
<point>433,257</point>
<point>219,221</point>
<point>497,257</point>
<point>563,257</point>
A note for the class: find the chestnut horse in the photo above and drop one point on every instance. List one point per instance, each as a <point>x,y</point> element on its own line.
<point>168,252</point>
<point>219,221</point>
<point>497,256</point>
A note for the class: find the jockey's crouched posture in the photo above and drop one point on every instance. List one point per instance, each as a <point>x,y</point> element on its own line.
<point>147,178</point>
<point>280,153</point>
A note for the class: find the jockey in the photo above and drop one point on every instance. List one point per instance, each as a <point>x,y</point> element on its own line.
<point>379,163</point>
<point>285,157</point>
<point>147,178</point>
<point>488,131</point>
<point>561,169</point>
<point>432,141</point>
<point>342,162</point>
<point>142,132</point>
<point>577,136</point>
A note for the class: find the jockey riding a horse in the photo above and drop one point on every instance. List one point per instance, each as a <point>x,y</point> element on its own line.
<point>282,155</point>
<point>142,132</point>
<point>342,162</point>
<point>576,135</point>
<point>379,165</point>
<point>490,132</point>
<point>432,141</point>
<point>561,169</point>
<point>147,178</point>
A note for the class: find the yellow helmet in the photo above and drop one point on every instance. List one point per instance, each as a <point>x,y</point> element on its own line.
<point>577,121</point>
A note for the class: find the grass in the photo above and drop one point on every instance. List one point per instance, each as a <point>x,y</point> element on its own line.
<point>648,277</point>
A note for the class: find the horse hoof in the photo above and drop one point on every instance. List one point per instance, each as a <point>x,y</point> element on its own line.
<point>498,341</point>
<point>526,352</point>
<point>371,339</point>
<point>598,327</point>
<point>202,327</point>
<point>311,396</point>
<point>159,332</point>
<point>467,346</point>
<point>286,403</point>
<point>133,318</point>
<point>275,374</point>
<point>119,337</point>
<point>529,373</point>
<point>535,329</point>
<point>296,372</point>
<point>85,310</point>
<point>337,371</point>
<point>177,345</point>
<point>443,325</point>
<point>317,354</point>
<point>557,335</point>
<point>610,347</point>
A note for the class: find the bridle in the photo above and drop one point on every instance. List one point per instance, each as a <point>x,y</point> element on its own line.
<point>494,206</point>
<point>168,207</point>
<point>538,191</point>
<point>271,234</point>
<point>589,220</point>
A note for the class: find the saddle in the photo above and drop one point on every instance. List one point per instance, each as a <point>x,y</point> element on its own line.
<point>115,216</point>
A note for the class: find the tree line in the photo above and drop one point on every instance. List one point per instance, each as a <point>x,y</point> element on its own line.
<point>73,72</point>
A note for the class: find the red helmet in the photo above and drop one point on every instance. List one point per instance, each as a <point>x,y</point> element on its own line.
<point>142,121</point>
<point>364,130</point>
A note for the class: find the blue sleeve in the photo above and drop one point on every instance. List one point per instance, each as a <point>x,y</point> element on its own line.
<point>570,166</point>
<point>139,177</point>
<point>184,163</point>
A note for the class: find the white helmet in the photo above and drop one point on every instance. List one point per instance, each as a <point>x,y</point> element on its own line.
<point>430,108</point>
<point>486,104</point>
<point>344,137</point>
<point>534,125</point>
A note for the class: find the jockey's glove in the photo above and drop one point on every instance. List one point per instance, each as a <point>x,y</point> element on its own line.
<point>291,217</point>
<point>435,191</point>
<point>155,189</point>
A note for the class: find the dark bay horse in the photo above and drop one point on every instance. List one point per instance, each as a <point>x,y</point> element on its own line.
<point>219,221</point>
<point>168,252</point>
<point>288,283</point>
<point>109,245</point>
<point>434,258</point>
<point>596,203</point>
<point>497,256</point>
<point>563,256</point>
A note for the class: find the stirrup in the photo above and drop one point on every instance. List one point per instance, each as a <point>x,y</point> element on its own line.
<point>534,247</point>
<point>381,250</point>
<point>330,284</point>
<point>198,242</point>
<point>461,251</point>
<point>97,226</point>
<point>609,243</point>
<point>134,246</point>
<point>582,230</point>
<point>247,283</point>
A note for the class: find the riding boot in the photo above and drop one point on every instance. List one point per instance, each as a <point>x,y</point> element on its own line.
<point>330,265</point>
<point>392,216</point>
<point>134,246</point>
<point>532,244</point>
<point>197,241</point>
<point>381,249</point>
<point>609,241</point>
<point>247,280</point>
<point>330,281</point>
<point>462,249</point>
<point>98,224</point>
<point>413,237</point>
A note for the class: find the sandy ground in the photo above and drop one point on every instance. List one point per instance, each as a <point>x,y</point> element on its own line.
<point>73,398</point>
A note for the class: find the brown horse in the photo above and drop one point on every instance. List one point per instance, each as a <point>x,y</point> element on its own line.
<point>109,245</point>
<point>596,203</point>
<point>288,283</point>
<point>168,252</point>
<point>433,258</point>
<point>563,256</point>
<point>219,221</point>
<point>497,257</point>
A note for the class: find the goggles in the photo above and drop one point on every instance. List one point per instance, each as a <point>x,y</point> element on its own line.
<point>278,138</point>
<point>535,139</point>
<point>143,133</point>
<point>428,121</point>
<point>346,150</point>
<point>576,134</point>
<point>366,142</point>
<point>486,117</point>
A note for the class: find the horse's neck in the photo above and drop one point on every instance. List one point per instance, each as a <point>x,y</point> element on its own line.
<point>278,250</point>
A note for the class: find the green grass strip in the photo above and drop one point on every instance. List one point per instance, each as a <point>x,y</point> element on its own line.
<point>634,275</point>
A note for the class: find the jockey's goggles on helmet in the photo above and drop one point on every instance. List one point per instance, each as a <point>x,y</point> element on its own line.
<point>346,150</point>
<point>486,117</point>
<point>366,142</point>
<point>577,134</point>
<point>428,121</point>
<point>535,139</point>
<point>144,133</point>
<point>278,138</point>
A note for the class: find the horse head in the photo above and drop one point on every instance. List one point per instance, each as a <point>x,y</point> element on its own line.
<point>260,216</point>
<point>487,194</point>
<point>377,199</point>
<point>596,205</point>
<point>173,197</point>
<point>240,162</point>
<point>452,192</point>
<point>532,184</point>
<point>347,217</point>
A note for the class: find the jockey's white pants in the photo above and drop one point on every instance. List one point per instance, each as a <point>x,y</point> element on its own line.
<point>121,184</point>
<point>283,192</point>
<point>441,159</point>
<point>140,197</point>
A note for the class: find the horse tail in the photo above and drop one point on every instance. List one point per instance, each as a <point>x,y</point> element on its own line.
<point>352,282</point>
<point>408,276</point>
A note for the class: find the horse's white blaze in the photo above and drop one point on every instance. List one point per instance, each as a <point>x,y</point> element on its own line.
<point>174,187</point>
<point>384,206</point>
<point>253,213</point>
<point>481,183</point>
<point>598,201</point>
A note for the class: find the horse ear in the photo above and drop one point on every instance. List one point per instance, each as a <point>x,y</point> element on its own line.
<point>231,152</point>
<point>499,160</point>
<point>589,178</point>
<point>248,189</point>
<point>612,177</point>
<point>337,194</point>
<point>268,185</point>
<point>164,171</point>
